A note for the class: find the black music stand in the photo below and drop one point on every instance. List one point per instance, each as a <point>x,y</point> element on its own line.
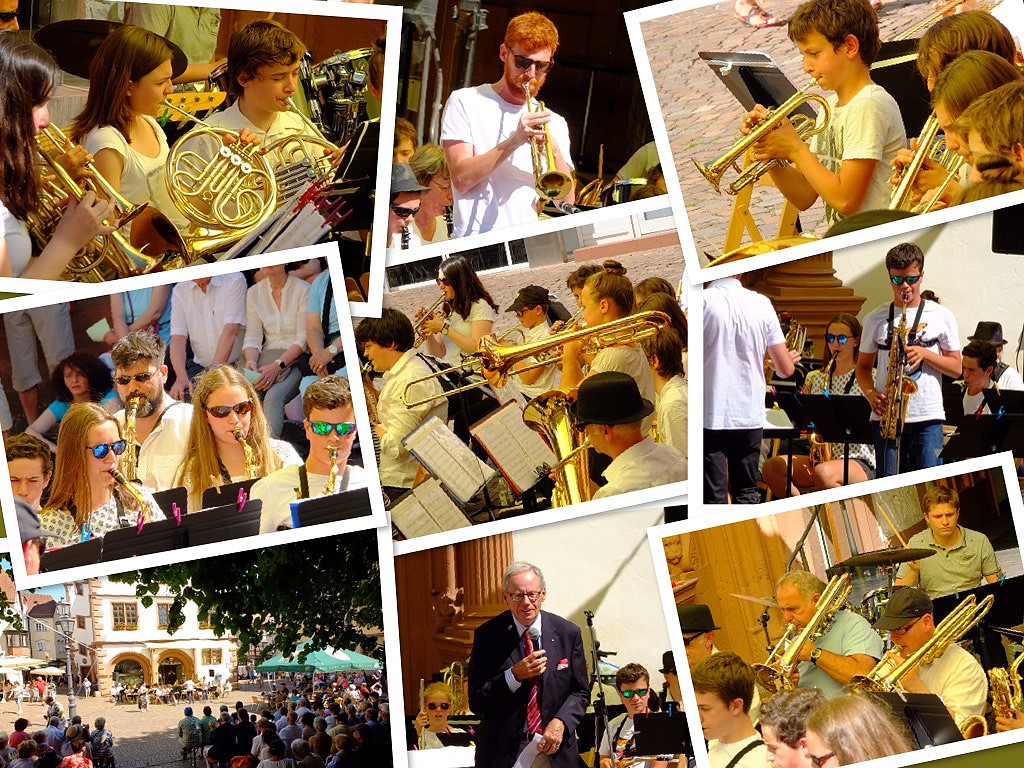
<point>226,494</point>
<point>786,402</point>
<point>842,419</point>
<point>360,158</point>
<point>155,536</point>
<point>85,553</point>
<point>1005,400</point>
<point>927,716</point>
<point>662,733</point>
<point>976,436</point>
<point>1005,611</point>
<point>166,500</point>
<point>753,78</point>
<point>329,509</point>
<point>223,523</point>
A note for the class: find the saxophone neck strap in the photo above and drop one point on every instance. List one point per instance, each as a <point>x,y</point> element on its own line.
<point>912,333</point>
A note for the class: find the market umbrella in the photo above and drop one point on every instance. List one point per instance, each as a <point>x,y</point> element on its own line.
<point>330,660</point>
<point>47,671</point>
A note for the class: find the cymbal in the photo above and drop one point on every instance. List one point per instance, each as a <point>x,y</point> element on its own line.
<point>886,557</point>
<point>759,600</point>
<point>73,43</point>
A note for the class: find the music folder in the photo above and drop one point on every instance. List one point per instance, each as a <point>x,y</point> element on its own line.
<point>927,716</point>
<point>662,733</point>
<point>516,449</point>
<point>86,553</point>
<point>753,78</point>
<point>347,505</point>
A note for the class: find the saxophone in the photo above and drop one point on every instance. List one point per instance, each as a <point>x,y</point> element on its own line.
<point>898,385</point>
<point>132,490</point>
<point>250,456</point>
<point>821,451</point>
<point>1006,688</point>
<point>130,458</point>
<point>332,478</point>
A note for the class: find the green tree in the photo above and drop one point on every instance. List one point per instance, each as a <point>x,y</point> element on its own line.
<point>327,590</point>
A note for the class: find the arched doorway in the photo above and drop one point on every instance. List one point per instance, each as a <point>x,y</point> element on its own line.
<point>171,670</point>
<point>129,673</point>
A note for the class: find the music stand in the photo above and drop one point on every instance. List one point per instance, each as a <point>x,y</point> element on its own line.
<point>166,500</point>
<point>155,536</point>
<point>1005,400</point>
<point>226,494</point>
<point>360,158</point>
<point>927,716</point>
<point>788,404</point>
<point>753,78</point>
<point>86,553</point>
<point>223,523</point>
<point>348,505</point>
<point>1005,610</point>
<point>662,733</point>
<point>842,419</point>
<point>976,436</point>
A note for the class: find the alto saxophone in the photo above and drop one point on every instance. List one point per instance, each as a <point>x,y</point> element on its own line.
<point>1006,688</point>
<point>898,385</point>
<point>250,456</point>
<point>132,490</point>
<point>821,451</point>
<point>130,458</point>
<point>332,478</point>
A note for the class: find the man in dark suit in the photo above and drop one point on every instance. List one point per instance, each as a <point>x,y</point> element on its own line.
<point>527,678</point>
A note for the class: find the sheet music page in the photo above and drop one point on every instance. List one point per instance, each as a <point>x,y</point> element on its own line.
<point>515,448</point>
<point>411,518</point>
<point>442,453</point>
<point>440,506</point>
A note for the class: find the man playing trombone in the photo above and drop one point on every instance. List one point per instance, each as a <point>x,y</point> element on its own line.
<point>493,132</point>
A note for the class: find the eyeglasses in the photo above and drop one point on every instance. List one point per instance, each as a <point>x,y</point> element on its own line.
<point>441,186</point>
<point>691,638</point>
<point>402,212</point>
<point>140,378</point>
<point>518,597</point>
<point>8,16</point>
<point>900,279</point>
<point>221,411</point>
<point>442,281</point>
<point>817,762</point>
<point>444,706</point>
<point>322,428</point>
<point>638,692</point>
<point>904,629</point>
<point>100,451</point>
<point>842,338</point>
<point>525,62</point>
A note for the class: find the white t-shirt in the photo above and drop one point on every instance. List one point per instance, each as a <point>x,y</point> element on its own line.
<point>645,465</point>
<point>480,117</point>
<point>720,754</point>
<point>959,680</point>
<point>739,326</point>
<point>285,124</point>
<point>938,333</point>
<point>632,362</point>
<point>549,377</point>
<point>277,492</point>
<point>671,407</point>
<point>478,310</point>
<point>15,236</point>
<point>868,127</point>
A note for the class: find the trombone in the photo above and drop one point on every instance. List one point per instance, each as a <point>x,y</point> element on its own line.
<point>499,361</point>
<point>805,126</point>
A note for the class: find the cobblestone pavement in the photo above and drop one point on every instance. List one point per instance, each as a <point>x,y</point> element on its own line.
<point>702,117</point>
<point>142,739</point>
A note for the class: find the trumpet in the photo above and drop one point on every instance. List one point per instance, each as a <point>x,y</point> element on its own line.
<point>551,183</point>
<point>419,328</point>
<point>806,127</point>
<point>927,149</point>
<point>250,455</point>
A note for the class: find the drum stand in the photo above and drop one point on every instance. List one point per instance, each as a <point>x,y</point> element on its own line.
<point>601,728</point>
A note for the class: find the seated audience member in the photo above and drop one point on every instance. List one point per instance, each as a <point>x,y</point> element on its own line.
<point>322,331</point>
<point>430,224</point>
<point>227,418</point>
<point>851,729</point>
<point>78,378</point>
<point>724,686</point>
<point>633,684</point>
<point>30,465</point>
<point>331,430</point>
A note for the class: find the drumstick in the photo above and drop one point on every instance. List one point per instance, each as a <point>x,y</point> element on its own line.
<point>600,162</point>
<point>903,542</point>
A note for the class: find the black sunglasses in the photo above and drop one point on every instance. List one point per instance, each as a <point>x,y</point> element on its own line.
<point>402,212</point>
<point>322,428</point>
<point>221,411</point>
<point>140,378</point>
<point>525,62</point>
<point>8,16</point>
<point>100,451</point>
<point>444,706</point>
<point>691,638</point>
<point>842,338</point>
<point>639,692</point>
<point>900,279</point>
<point>817,762</point>
<point>442,281</point>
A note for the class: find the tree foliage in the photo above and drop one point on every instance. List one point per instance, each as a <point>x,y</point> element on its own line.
<point>327,590</point>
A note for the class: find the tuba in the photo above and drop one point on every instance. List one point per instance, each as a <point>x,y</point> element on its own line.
<point>805,127</point>
<point>774,674</point>
<point>1005,687</point>
<point>898,385</point>
<point>250,455</point>
<point>130,458</point>
<point>332,479</point>
<point>551,183</point>
<point>548,414</point>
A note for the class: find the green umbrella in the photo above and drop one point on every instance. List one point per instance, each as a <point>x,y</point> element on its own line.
<point>319,661</point>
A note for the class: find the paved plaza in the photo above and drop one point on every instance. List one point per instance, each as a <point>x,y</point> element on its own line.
<point>142,738</point>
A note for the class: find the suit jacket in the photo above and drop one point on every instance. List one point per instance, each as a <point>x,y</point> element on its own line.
<point>564,692</point>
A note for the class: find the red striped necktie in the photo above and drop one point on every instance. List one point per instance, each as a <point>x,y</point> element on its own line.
<point>533,722</point>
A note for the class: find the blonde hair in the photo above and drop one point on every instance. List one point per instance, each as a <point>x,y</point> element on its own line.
<point>997,117</point>
<point>438,688</point>
<point>202,467</point>
<point>858,729</point>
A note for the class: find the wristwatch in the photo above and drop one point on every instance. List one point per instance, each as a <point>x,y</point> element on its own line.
<point>280,364</point>
<point>445,327</point>
<point>332,349</point>
<point>814,656</point>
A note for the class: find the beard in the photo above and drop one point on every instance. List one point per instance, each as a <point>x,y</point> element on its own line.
<point>150,405</point>
<point>514,81</point>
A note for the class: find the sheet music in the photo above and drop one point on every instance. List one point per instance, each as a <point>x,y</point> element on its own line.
<point>515,448</point>
<point>428,509</point>
<point>442,453</point>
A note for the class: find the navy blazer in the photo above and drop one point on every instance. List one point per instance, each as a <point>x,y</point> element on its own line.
<point>564,690</point>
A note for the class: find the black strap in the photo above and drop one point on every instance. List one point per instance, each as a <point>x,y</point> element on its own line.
<point>849,383</point>
<point>739,755</point>
<point>912,334</point>
<point>325,317</point>
<point>1000,369</point>
<point>303,482</point>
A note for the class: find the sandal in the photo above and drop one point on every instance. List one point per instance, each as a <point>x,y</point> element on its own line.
<point>758,18</point>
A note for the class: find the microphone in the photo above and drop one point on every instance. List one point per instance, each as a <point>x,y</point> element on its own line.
<point>534,636</point>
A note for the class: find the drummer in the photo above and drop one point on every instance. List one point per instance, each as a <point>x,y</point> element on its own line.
<point>966,556</point>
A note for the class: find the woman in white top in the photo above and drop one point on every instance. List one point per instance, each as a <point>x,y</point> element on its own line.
<point>27,77</point>
<point>224,401</point>
<point>431,169</point>
<point>85,500</point>
<point>275,337</point>
<point>433,718</point>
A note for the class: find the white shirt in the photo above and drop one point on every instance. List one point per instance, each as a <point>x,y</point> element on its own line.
<point>644,465</point>
<point>720,754</point>
<point>480,117</point>
<point>958,679</point>
<point>739,326</point>
<point>397,466</point>
<point>162,452</point>
<point>202,316</point>
<point>671,407</point>
<point>277,491</point>
<point>270,327</point>
<point>285,124</point>
<point>478,310</point>
<point>548,378</point>
<point>536,639</point>
<point>632,362</point>
<point>15,237</point>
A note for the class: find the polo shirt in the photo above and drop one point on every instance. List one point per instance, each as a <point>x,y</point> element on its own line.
<point>956,569</point>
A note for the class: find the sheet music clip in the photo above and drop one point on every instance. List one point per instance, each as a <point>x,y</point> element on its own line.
<point>177,513</point>
<point>243,497</point>
<point>140,522</point>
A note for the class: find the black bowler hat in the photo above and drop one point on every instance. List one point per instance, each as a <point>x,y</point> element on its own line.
<point>668,663</point>
<point>986,330</point>
<point>695,617</point>
<point>610,397</point>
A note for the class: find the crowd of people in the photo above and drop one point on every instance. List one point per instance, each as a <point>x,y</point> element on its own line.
<point>61,744</point>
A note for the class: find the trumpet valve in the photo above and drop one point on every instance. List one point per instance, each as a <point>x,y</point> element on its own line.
<point>713,177</point>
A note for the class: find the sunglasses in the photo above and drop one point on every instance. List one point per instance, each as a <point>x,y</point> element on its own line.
<point>817,762</point>
<point>443,706</point>
<point>442,281</point>
<point>842,338</point>
<point>402,212</point>
<point>691,638</point>
<point>638,692</point>
<point>100,451</point>
<point>525,62</point>
<point>900,279</point>
<point>8,16</point>
<point>140,378</point>
<point>222,411</point>
<point>322,428</point>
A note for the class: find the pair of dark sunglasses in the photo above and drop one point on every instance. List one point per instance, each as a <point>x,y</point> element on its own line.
<point>323,428</point>
<point>444,706</point>
<point>139,378</point>
<point>8,16</point>
<point>525,62</point>
<point>402,212</point>
<point>100,451</point>
<point>222,411</point>
<point>638,692</point>
<point>900,279</point>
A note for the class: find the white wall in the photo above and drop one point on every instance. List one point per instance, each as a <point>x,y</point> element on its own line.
<point>970,280</point>
<point>602,563</point>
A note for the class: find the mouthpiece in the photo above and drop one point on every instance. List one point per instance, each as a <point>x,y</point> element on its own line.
<point>238,434</point>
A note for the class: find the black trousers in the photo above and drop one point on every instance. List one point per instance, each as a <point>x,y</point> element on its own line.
<point>730,465</point>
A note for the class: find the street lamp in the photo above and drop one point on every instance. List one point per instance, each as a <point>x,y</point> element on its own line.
<point>65,625</point>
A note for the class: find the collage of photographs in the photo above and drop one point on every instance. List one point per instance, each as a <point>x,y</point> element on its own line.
<point>332,335</point>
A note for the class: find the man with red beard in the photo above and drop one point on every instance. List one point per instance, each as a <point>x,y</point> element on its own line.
<point>486,133</point>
